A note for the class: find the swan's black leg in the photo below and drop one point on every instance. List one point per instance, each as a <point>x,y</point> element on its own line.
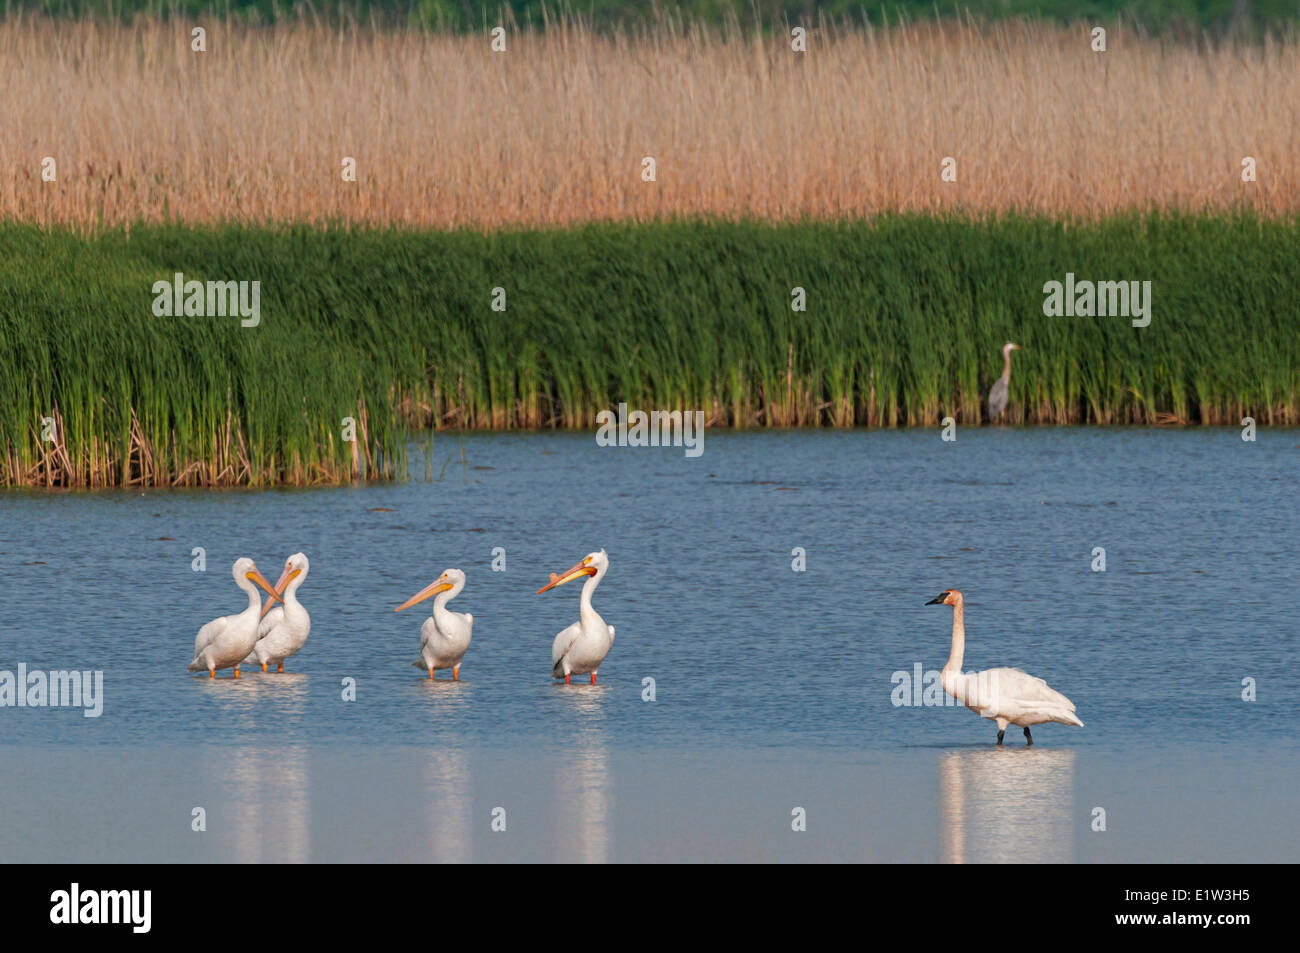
<point>1000,733</point>
<point>1029,739</point>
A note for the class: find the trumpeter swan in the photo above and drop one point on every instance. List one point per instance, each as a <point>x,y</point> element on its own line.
<point>1005,695</point>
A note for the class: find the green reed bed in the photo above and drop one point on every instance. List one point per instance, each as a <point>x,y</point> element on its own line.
<point>396,330</point>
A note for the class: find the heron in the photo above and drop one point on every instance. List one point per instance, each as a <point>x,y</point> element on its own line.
<point>1005,695</point>
<point>1000,391</point>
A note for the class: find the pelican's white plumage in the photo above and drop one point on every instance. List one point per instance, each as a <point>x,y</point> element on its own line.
<point>1007,696</point>
<point>284,628</point>
<point>225,642</point>
<point>581,647</point>
<point>445,635</point>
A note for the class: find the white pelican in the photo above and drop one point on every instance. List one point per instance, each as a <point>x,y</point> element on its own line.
<point>225,642</point>
<point>582,646</point>
<point>999,393</point>
<point>445,635</point>
<point>1005,695</point>
<point>284,628</point>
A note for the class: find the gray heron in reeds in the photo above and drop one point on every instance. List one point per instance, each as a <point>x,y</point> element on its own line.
<point>999,393</point>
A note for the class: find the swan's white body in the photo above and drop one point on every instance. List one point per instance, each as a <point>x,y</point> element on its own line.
<point>580,648</point>
<point>284,629</point>
<point>225,642</point>
<point>445,635</point>
<point>1007,696</point>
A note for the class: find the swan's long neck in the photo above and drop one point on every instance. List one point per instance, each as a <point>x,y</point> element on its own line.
<point>1006,366</point>
<point>586,613</point>
<point>958,639</point>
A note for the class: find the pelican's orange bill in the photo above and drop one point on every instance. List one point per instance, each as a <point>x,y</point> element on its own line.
<point>432,589</point>
<point>280,585</point>
<point>582,569</point>
<point>258,578</point>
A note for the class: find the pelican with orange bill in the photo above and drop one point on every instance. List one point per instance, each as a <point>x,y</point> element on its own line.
<point>445,635</point>
<point>580,648</point>
<point>226,642</point>
<point>284,628</point>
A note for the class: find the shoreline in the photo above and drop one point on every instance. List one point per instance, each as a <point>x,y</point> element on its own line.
<point>360,337</point>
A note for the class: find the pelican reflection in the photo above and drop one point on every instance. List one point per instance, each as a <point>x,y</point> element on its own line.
<point>447,777</point>
<point>272,804</point>
<point>584,783</point>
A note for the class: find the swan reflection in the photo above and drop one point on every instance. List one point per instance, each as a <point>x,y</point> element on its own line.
<point>1007,805</point>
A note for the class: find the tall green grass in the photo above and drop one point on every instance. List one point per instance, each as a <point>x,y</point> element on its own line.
<point>905,317</point>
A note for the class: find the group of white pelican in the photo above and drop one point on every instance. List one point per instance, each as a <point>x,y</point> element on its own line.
<point>261,634</point>
<point>266,634</point>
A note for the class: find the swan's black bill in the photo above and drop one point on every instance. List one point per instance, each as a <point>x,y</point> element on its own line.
<point>937,600</point>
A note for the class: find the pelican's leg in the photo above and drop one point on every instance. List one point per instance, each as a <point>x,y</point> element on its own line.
<point>236,671</point>
<point>566,678</point>
<point>593,678</point>
<point>431,671</point>
<point>1000,733</point>
<point>1029,739</point>
<point>212,673</point>
<point>279,669</point>
<point>264,668</point>
<point>455,673</point>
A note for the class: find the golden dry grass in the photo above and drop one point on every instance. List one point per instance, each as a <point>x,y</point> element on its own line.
<point>553,131</point>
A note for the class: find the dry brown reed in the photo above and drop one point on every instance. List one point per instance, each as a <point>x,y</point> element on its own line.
<point>553,131</point>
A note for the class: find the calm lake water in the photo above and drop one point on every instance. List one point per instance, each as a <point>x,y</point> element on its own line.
<point>772,687</point>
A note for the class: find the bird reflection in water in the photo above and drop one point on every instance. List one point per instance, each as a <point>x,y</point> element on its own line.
<point>584,783</point>
<point>1007,805</point>
<point>268,784</point>
<point>272,804</point>
<point>448,779</point>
